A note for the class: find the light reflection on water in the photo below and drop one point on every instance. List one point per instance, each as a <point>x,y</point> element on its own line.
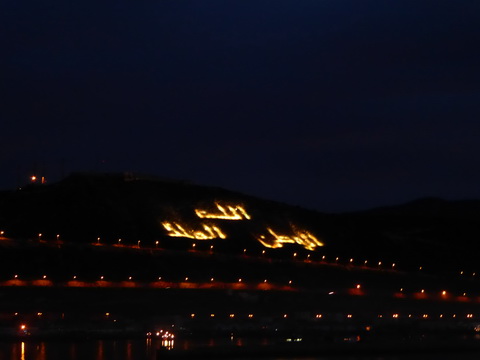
<point>145,349</point>
<point>136,349</point>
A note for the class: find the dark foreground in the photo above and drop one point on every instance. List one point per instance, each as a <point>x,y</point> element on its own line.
<point>444,346</point>
<point>438,347</point>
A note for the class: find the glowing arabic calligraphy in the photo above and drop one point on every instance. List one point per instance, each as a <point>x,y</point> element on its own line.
<point>208,231</point>
<point>227,212</point>
<point>301,237</point>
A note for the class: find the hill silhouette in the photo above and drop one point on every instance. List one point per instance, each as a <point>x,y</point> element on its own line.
<point>439,235</point>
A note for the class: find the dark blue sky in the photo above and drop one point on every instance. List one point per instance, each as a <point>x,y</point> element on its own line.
<point>328,104</point>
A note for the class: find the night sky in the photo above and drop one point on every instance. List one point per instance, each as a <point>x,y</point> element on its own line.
<point>326,104</point>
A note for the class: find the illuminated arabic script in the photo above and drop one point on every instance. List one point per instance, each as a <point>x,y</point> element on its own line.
<point>227,212</point>
<point>301,237</point>
<point>208,231</point>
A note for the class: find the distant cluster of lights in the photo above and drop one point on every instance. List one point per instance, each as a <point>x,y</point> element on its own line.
<point>326,316</point>
<point>315,316</point>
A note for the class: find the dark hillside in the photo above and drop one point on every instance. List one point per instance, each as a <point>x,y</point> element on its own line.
<point>441,236</point>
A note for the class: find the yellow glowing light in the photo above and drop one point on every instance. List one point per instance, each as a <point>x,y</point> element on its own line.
<point>208,232</point>
<point>301,237</point>
<point>226,212</point>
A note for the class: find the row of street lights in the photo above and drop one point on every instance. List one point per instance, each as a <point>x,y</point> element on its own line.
<point>295,255</point>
